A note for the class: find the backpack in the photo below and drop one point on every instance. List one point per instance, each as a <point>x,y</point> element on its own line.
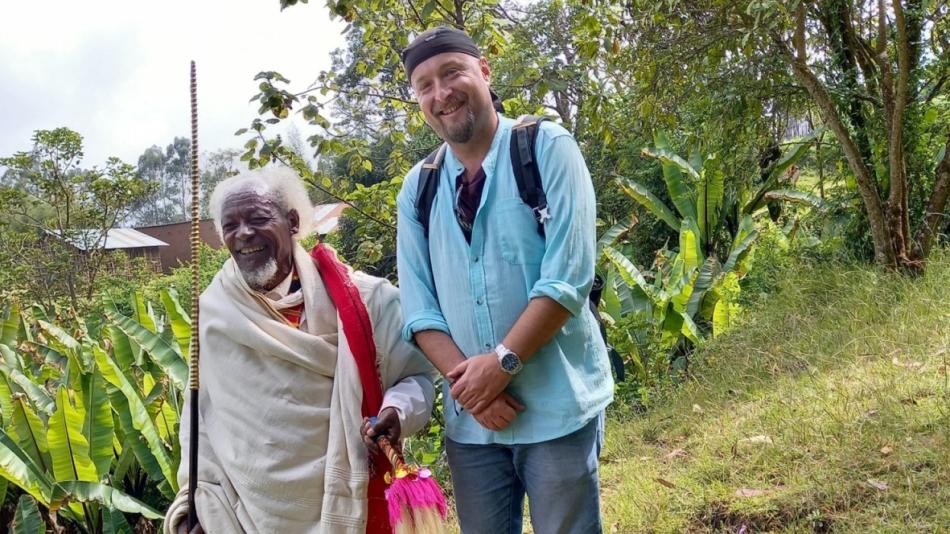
<point>524,166</point>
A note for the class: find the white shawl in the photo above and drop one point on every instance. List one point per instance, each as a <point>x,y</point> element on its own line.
<point>280,447</point>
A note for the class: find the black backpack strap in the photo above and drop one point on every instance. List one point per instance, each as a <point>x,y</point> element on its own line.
<point>428,185</point>
<point>524,164</point>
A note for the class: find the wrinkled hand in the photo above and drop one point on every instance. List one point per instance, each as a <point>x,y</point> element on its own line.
<point>477,381</point>
<point>183,528</point>
<point>387,424</point>
<point>499,413</point>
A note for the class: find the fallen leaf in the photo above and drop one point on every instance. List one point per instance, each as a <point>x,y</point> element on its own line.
<point>675,453</point>
<point>757,439</point>
<point>907,365</point>
<point>698,409</point>
<point>877,484</point>
<point>885,450</point>
<point>665,482</point>
<point>614,528</point>
<point>942,369</point>
<point>749,492</point>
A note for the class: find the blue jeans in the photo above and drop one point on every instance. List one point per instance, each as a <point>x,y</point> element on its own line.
<point>559,476</point>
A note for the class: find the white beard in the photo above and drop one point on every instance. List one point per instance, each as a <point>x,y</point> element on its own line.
<point>259,278</point>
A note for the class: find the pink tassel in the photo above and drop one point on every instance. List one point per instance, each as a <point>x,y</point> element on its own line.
<point>416,504</point>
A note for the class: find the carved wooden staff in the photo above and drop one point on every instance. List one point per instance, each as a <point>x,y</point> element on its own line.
<point>195,288</point>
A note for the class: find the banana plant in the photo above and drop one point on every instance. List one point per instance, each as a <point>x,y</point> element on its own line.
<point>714,222</point>
<point>89,421</point>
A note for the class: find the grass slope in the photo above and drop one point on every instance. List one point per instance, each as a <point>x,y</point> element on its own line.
<point>828,411</point>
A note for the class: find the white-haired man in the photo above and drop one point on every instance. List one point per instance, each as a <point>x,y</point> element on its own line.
<point>281,445</point>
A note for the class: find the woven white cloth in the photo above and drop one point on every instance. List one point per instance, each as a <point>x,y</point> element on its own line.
<point>279,444</point>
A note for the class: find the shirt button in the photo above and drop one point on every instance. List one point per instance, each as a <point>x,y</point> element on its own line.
<point>475,259</point>
<point>487,345</point>
<point>479,302</point>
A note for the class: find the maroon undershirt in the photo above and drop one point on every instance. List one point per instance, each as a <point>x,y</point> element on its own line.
<point>468,195</point>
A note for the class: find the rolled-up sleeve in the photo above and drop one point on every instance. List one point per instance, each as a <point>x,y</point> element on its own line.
<point>420,307</point>
<point>406,374</point>
<point>567,268</point>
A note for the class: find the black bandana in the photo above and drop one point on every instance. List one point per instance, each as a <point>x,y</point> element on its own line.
<point>439,41</point>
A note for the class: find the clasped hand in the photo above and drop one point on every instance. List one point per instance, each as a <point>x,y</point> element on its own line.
<point>478,384</point>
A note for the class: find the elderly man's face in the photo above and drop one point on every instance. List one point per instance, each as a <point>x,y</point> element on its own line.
<point>259,235</point>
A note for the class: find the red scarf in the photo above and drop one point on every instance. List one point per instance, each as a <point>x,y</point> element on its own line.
<point>359,335</point>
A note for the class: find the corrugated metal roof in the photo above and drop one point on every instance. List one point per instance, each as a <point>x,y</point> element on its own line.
<point>116,238</point>
<point>130,238</point>
<point>326,217</point>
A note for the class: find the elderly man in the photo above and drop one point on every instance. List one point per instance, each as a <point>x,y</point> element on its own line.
<point>281,446</point>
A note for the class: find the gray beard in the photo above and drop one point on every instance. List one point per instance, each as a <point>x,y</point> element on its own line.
<point>258,278</point>
<point>462,133</point>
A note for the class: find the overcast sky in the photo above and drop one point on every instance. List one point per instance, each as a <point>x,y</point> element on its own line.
<point>116,71</point>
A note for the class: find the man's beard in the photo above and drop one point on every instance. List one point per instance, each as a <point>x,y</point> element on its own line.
<point>462,132</point>
<point>258,278</point>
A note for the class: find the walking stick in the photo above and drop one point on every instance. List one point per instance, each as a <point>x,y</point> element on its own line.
<point>195,288</point>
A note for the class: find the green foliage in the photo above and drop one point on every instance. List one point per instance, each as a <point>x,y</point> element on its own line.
<point>825,412</point>
<point>106,439</point>
<point>57,218</point>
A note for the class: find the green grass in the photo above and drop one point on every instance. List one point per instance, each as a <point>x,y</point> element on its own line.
<point>828,411</point>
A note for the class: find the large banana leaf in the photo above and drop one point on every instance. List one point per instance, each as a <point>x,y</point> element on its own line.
<point>682,192</point>
<point>139,415</point>
<point>68,447</point>
<point>799,197</point>
<point>178,319</point>
<point>691,251</point>
<point>27,519</point>
<point>140,312</point>
<point>6,401</point>
<point>615,232</point>
<point>114,522</point>
<point>37,395</point>
<point>629,273</point>
<point>59,340</point>
<point>709,197</point>
<point>703,282</point>
<point>109,497</point>
<point>165,354</point>
<point>17,467</point>
<point>10,325</point>
<point>10,358</point>
<point>121,347</point>
<point>30,433</point>
<point>132,441</point>
<point>741,246</point>
<point>97,426</point>
<point>649,201</point>
<point>162,413</point>
<point>788,158</point>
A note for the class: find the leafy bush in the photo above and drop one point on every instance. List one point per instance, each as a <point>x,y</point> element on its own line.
<point>90,416</point>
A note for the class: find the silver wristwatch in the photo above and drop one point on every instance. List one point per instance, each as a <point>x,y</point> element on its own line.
<point>509,361</point>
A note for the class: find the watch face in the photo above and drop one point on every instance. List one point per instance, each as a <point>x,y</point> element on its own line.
<point>510,362</point>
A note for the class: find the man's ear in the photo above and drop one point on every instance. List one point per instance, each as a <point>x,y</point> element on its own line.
<point>293,219</point>
<point>484,69</point>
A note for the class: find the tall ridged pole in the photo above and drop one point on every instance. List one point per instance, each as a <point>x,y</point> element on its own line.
<point>195,288</point>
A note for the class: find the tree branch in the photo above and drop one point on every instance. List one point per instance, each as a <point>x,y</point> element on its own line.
<point>866,184</point>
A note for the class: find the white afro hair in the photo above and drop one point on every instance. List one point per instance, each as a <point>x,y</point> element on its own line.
<point>281,184</point>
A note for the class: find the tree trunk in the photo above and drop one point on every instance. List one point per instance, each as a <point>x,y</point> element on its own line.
<point>936,214</point>
<point>867,185</point>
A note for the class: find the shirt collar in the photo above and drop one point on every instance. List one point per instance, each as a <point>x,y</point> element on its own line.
<point>280,290</point>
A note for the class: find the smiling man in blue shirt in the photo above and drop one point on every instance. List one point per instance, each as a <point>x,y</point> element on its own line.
<point>500,309</point>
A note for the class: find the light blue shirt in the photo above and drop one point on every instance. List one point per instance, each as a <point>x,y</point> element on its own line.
<point>476,292</point>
